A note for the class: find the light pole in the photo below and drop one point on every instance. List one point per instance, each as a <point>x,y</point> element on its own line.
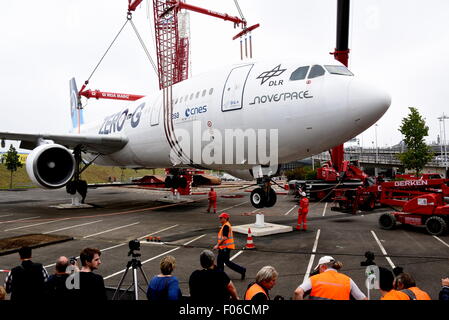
<point>440,141</point>
<point>377,149</point>
<point>443,118</point>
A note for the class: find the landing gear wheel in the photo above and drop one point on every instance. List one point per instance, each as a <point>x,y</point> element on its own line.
<point>257,198</point>
<point>272,197</point>
<point>436,226</point>
<point>81,187</point>
<point>387,221</point>
<point>71,187</point>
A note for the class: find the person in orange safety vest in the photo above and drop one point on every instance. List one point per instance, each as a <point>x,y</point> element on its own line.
<point>302,212</point>
<point>329,284</point>
<point>225,243</point>
<point>405,283</point>
<point>212,200</point>
<point>265,281</point>
<point>386,279</point>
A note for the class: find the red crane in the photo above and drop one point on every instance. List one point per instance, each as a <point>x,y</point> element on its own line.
<point>172,44</point>
<point>172,47</point>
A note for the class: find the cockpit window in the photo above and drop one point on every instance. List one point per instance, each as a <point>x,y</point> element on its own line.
<point>299,74</point>
<point>342,70</point>
<point>316,71</point>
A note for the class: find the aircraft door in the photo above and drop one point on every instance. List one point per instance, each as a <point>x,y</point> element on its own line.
<point>234,88</point>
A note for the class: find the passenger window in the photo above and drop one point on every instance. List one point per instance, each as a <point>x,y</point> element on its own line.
<point>204,92</point>
<point>299,74</point>
<point>197,95</point>
<point>186,98</point>
<point>176,101</point>
<point>211,91</point>
<point>191,96</point>
<point>316,71</point>
<point>180,100</point>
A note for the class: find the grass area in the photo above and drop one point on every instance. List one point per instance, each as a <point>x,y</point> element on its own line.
<point>93,174</point>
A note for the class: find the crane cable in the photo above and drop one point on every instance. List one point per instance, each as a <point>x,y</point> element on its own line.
<point>144,47</point>
<point>128,19</point>
<point>107,50</point>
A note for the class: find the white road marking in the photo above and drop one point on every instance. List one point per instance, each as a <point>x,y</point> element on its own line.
<point>155,257</point>
<point>9,221</point>
<point>119,245</point>
<point>6,215</point>
<point>447,245</point>
<point>255,210</point>
<point>383,250</point>
<point>71,227</point>
<point>324,210</point>
<point>236,255</point>
<point>37,224</point>
<point>312,257</point>
<point>233,206</point>
<point>106,231</point>
<point>290,210</point>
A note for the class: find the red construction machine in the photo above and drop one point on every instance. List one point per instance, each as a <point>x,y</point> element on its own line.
<point>372,194</point>
<point>424,202</point>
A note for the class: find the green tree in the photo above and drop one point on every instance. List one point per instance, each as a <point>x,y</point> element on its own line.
<point>12,162</point>
<point>418,153</point>
<point>301,173</point>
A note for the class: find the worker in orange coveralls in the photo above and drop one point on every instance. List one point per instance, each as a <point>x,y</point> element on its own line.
<point>212,200</point>
<point>302,212</point>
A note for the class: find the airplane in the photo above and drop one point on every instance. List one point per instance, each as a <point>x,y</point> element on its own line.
<point>244,119</point>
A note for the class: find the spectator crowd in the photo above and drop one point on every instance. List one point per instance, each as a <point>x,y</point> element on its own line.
<point>210,284</point>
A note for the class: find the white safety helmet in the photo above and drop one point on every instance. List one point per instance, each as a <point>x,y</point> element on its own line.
<point>303,194</point>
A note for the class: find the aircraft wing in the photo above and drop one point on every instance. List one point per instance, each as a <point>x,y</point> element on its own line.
<point>103,144</point>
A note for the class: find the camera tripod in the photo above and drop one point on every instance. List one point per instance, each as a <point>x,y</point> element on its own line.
<point>135,264</point>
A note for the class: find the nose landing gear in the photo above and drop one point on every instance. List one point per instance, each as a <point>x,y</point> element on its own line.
<point>264,195</point>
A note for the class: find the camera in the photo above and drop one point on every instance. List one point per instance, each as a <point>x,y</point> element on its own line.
<point>134,245</point>
<point>369,259</point>
<point>72,260</point>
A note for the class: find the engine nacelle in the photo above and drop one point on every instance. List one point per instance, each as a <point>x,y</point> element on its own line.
<point>50,166</point>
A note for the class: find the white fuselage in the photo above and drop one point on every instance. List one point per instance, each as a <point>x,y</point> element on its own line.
<point>310,115</point>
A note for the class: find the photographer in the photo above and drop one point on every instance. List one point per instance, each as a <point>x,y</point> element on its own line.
<point>56,287</point>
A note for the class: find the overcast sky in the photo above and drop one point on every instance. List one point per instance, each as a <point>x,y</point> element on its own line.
<point>403,45</point>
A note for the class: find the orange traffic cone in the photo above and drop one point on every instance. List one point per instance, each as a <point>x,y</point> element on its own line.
<point>249,241</point>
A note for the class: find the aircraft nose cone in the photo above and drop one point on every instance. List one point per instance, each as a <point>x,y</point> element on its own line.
<point>368,102</point>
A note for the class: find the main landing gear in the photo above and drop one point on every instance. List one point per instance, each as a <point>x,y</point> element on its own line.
<point>76,184</point>
<point>264,195</point>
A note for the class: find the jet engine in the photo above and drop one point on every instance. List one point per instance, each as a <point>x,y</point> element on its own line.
<point>50,166</point>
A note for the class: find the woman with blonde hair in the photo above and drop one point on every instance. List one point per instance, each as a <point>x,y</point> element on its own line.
<point>165,286</point>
